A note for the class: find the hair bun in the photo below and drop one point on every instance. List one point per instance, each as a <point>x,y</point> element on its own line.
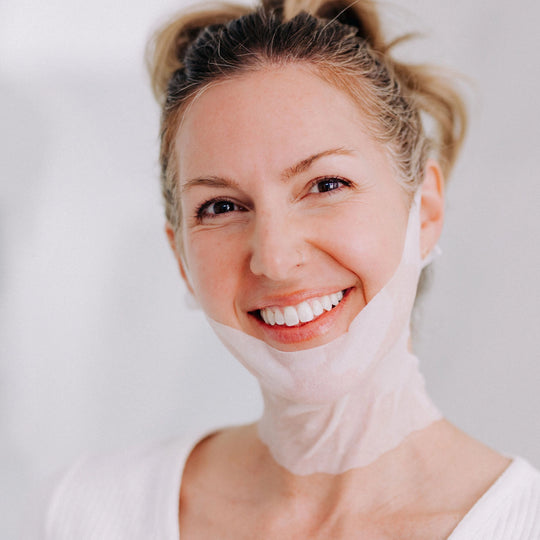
<point>360,14</point>
<point>166,48</point>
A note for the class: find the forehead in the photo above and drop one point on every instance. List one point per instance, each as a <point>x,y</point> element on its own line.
<point>266,120</point>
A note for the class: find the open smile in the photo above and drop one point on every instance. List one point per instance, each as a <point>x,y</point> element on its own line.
<point>306,311</point>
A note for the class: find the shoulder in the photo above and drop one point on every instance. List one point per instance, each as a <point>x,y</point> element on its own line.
<point>510,508</point>
<point>129,494</point>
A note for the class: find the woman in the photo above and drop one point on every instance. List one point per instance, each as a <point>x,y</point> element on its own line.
<point>303,198</point>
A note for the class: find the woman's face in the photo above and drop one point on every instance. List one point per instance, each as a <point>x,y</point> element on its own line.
<point>288,204</point>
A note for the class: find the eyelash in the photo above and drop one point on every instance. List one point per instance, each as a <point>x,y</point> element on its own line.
<point>337,179</point>
<point>200,212</point>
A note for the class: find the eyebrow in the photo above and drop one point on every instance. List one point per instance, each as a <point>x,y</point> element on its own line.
<point>211,181</point>
<point>289,172</point>
<point>306,163</point>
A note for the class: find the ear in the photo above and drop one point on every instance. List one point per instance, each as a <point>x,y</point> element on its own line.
<point>175,246</point>
<point>431,207</point>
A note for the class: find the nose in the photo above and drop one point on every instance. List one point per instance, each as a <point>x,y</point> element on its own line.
<point>277,249</point>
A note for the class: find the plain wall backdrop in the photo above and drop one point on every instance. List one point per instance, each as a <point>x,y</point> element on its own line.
<point>98,349</point>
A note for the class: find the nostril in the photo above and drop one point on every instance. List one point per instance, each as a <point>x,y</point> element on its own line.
<point>277,249</point>
<point>275,263</point>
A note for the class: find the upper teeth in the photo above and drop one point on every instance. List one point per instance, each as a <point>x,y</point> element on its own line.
<point>304,312</point>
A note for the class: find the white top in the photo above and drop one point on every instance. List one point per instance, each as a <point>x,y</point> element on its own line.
<point>133,495</point>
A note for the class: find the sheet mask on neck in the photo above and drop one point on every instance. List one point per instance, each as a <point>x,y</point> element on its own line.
<point>342,405</point>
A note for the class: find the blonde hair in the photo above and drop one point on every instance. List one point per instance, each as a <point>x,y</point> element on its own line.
<point>342,41</point>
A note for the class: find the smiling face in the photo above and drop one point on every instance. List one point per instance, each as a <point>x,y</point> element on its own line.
<point>289,207</point>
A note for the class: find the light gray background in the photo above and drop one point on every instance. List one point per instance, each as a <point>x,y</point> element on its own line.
<point>97,347</point>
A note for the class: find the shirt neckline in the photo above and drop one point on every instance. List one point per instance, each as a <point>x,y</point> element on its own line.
<point>492,500</point>
<point>477,516</point>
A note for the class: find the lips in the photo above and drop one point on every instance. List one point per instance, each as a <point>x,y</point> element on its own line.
<point>306,311</point>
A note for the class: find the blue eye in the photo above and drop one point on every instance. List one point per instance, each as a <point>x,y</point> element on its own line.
<point>327,184</point>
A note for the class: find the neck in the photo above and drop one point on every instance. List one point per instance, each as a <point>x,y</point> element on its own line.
<point>346,432</point>
<point>343,404</point>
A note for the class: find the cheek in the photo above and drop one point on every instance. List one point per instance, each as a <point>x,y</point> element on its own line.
<point>215,264</point>
<point>366,241</point>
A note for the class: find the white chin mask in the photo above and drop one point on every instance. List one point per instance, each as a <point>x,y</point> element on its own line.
<point>342,405</point>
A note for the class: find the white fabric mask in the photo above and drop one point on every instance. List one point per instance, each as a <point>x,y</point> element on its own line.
<point>343,404</point>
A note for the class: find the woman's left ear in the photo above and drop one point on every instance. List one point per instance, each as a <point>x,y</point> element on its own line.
<point>431,207</point>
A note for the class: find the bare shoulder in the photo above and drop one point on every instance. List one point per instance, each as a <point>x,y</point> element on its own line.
<point>218,483</point>
<point>223,457</point>
<point>459,470</point>
<point>500,496</point>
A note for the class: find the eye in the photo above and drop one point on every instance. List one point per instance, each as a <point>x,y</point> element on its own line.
<point>215,207</point>
<point>323,185</point>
